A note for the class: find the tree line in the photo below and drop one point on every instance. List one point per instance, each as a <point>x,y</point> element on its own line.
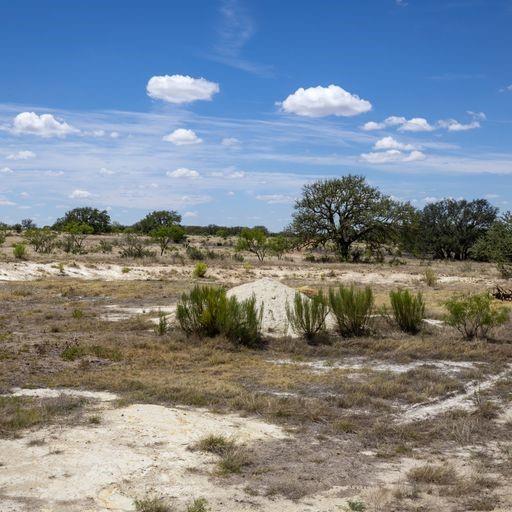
<point>346,215</point>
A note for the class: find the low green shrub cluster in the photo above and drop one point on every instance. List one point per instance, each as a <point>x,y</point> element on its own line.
<point>352,309</point>
<point>474,315</point>
<point>207,312</point>
<point>307,316</point>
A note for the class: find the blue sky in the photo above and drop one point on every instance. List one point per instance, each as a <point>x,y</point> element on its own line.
<point>224,109</point>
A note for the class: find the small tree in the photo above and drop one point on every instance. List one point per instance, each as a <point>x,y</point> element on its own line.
<point>344,211</point>
<point>28,224</point>
<point>254,241</point>
<point>165,235</point>
<point>157,219</point>
<point>98,220</point>
<point>496,244</point>
<point>279,245</point>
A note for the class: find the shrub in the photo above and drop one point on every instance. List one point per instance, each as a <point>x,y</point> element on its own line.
<point>207,311</point>
<point>352,309</point>
<point>430,277</point>
<point>200,269</point>
<point>408,310</point>
<point>76,234</point>
<point>2,237</point>
<point>194,253</point>
<point>253,240</point>
<point>134,246</point>
<point>19,251</point>
<point>474,315</point>
<point>307,316</point>
<point>77,314</point>
<point>42,240</point>
<point>165,235</point>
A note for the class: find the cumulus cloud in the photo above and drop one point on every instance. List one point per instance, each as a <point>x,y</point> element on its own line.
<point>6,202</point>
<point>230,173</point>
<point>106,172</point>
<point>230,142</point>
<point>391,143</point>
<point>6,170</point>
<point>275,198</point>
<point>79,194</point>
<point>190,215</point>
<point>179,89</point>
<point>392,156</point>
<point>182,137</point>
<point>325,101</point>
<point>44,125</point>
<point>416,124</point>
<point>183,172</point>
<point>22,155</point>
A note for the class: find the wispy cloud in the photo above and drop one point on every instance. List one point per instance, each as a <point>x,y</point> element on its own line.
<point>236,28</point>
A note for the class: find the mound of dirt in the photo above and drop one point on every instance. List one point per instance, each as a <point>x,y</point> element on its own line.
<point>273,297</point>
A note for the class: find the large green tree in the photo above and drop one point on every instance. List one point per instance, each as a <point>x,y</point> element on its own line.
<point>449,228</point>
<point>496,244</point>
<point>98,220</point>
<point>157,219</point>
<point>346,210</point>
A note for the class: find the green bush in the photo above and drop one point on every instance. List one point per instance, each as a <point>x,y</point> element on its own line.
<point>408,310</point>
<point>42,240</point>
<point>200,269</point>
<point>430,277</point>
<point>352,309</point>
<point>163,324</point>
<point>207,311</point>
<point>307,316</point>
<point>19,251</point>
<point>3,236</point>
<point>474,315</point>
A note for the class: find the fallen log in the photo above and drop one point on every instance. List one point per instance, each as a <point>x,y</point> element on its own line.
<point>501,293</point>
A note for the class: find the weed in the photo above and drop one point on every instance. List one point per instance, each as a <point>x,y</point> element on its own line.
<point>198,505</point>
<point>77,314</point>
<point>163,324</point>
<point>430,474</point>
<point>430,277</point>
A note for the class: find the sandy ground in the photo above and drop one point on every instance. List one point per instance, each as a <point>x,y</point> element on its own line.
<point>135,450</point>
<point>26,271</point>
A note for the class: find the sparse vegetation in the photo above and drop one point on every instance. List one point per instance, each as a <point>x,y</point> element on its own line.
<point>152,505</point>
<point>19,251</point>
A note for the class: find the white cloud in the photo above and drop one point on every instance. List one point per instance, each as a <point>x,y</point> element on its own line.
<point>181,89</point>
<point>391,143</point>
<point>190,215</point>
<point>392,156</point>
<point>416,124</point>
<point>275,198</point>
<point>230,142</point>
<point>79,194</point>
<point>24,195</point>
<point>6,202</point>
<point>452,125</point>
<point>6,170</point>
<point>114,135</point>
<point>44,125</point>
<point>183,172</point>
<point>22,155</point>
<point>54,173</point>
<point>430,199</point>
<point>507,88</point>
<point>106,172</point>
<point>182,137</point>
<point>325,101</point>
<point>389,121</point>
<point>230,173</point>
